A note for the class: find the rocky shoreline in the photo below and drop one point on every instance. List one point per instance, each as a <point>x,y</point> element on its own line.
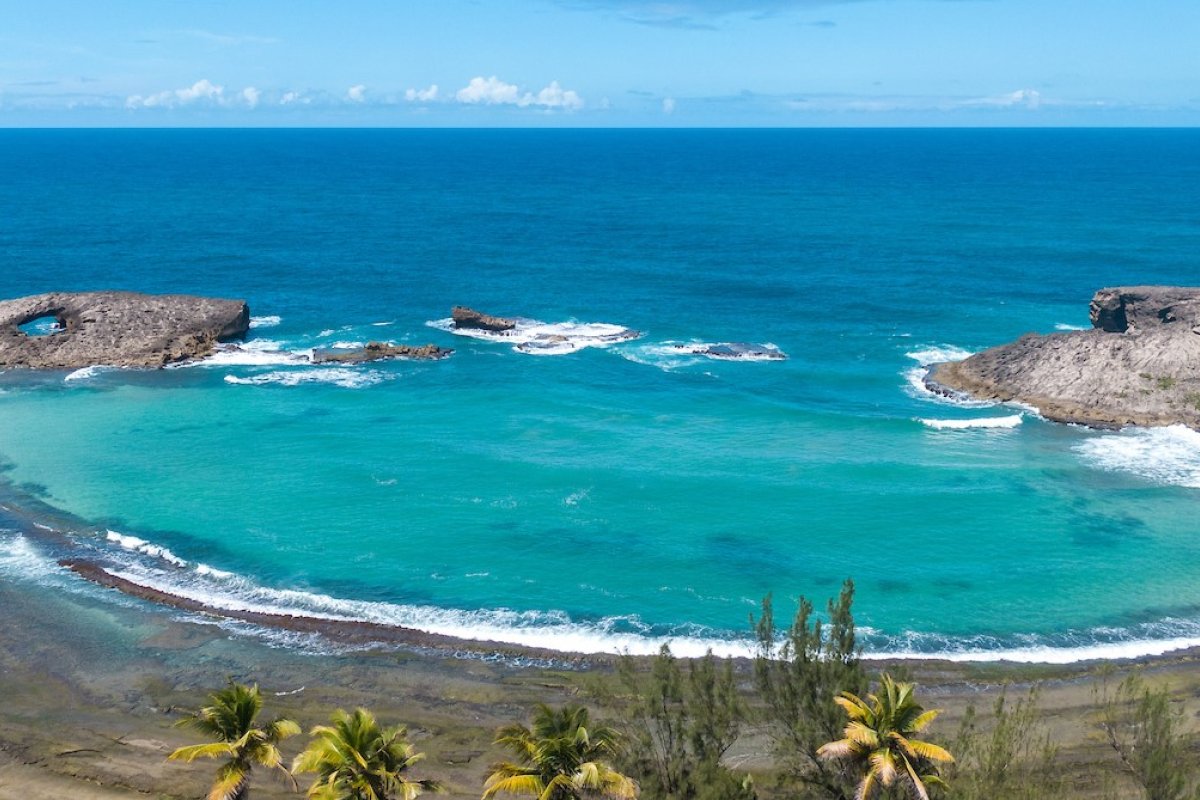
<point>1138,365</point>
<point>118,329</point>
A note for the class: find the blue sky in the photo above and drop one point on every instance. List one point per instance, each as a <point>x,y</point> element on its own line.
<point>598,63</point>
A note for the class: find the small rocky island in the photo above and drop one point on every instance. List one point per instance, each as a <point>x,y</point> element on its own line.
<point>378,351</point>
<point>122,329</point>
<point>1138,365</point>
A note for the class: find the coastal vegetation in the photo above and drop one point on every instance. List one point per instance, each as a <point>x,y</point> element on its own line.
<point>804,721</point>
<point>231,720</point>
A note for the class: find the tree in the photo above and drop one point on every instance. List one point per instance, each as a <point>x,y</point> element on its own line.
<point>1146,733</point>
<point>880,741</point>
<point>1013,757</point>
<point>231,721</point>
<point>562,757</point>
<point>682,727</point>
<point>356,759</point>
<point>796,675</point>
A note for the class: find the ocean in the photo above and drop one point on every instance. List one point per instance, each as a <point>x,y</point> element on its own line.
<point>575,489</point>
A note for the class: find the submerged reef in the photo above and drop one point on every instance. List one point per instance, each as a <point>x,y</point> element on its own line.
<point>1138,365</point>
<point>122,329</point>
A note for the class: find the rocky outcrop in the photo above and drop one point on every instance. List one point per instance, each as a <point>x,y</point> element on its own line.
<point>375,351</point>
<point>123,329</point>
<point>1138,365</point>
<point>464,317</point>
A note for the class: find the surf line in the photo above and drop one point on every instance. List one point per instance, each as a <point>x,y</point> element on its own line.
<point>347,631</point>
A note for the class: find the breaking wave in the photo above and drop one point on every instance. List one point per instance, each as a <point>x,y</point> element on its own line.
<point>1168,455</point>
<point>982,422</point>
<point>926,358</point>
<point>269,321</point>
<point>533,337</point>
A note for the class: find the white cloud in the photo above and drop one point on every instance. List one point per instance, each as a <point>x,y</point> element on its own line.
<point>202,91</point>
<point>289,98</point>
<point>1026,98</point>
<point>250,96</point>
<point>668,105</point>
<point>422,95</point>
<point>493,91</point>
<point>356,94</point>
<point>490,91</point>
<point>553,96</point>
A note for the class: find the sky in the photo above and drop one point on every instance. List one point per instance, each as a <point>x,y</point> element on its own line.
<point>599,63</point>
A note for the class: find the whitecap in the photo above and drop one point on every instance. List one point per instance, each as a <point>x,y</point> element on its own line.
<point>269,321</point>
<point>926,358</point>
<point>336,376</point>
<point>533,337</point>
<point>1066,326</point>
<point>254,353</point>
<point>982,422</point>
<point>1168,455</point>
<point>85,373</point>
<point>146,548</point>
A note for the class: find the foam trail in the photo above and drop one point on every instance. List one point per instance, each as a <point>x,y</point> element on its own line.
<point>1066,326</point>
<point>269,321</point>
<point>336,376</point>
<point>1168,455</point>
<point>983,422</point>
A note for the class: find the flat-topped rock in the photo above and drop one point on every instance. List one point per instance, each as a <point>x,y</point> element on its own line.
<point>464,317</point>
<point>1138,365</point>
<point>376,351</point>
<point>123,329</point>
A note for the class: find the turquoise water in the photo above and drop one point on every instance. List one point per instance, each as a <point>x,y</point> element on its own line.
<point>596,497</point>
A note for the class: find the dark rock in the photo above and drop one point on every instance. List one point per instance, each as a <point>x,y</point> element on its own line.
<point>123,329</point>
<point>1139,365</point>
<point>374,351</point>
<point>470,318</point>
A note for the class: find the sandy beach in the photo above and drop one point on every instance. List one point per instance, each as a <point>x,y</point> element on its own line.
<point>93,688</point>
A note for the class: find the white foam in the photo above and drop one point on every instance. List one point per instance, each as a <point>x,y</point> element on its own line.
<point>1066,326</point>
<point>269,321</point>
<point>1168,455</point>
<point>723,351</point>
<point>254,353</point>
<point>549,630</point>
<point>983,422</point>
<point>336,376</point>
<point>20,559</point>
<point>914,377</point>
<point>213,572</point>
<point>533,337</point>
<point>85,373</point>
<point>146,548</point>
<point>349,345</point>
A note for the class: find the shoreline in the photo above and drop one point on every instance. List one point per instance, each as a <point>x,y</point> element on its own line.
<point>33,519</point>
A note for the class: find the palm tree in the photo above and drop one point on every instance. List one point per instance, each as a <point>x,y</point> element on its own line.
<point>879,741</point>
<point>231,721</point>
<point>561,758</point>
<point>355,759</point>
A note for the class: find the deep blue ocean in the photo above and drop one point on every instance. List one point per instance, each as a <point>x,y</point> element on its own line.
<point>566,489</point>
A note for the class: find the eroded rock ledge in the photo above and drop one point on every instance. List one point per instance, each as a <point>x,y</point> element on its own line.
<point>1138,365</point>
<point>378,351</point>
<point>123,329</point>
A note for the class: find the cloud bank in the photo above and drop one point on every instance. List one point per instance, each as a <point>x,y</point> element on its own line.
<point>495,92</point>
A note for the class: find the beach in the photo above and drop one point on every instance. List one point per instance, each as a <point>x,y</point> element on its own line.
<point>93,689</point>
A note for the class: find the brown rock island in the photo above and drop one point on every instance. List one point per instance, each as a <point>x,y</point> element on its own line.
<point>1138,365</point>
<point>122,329</point>
<point>377,351</point>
